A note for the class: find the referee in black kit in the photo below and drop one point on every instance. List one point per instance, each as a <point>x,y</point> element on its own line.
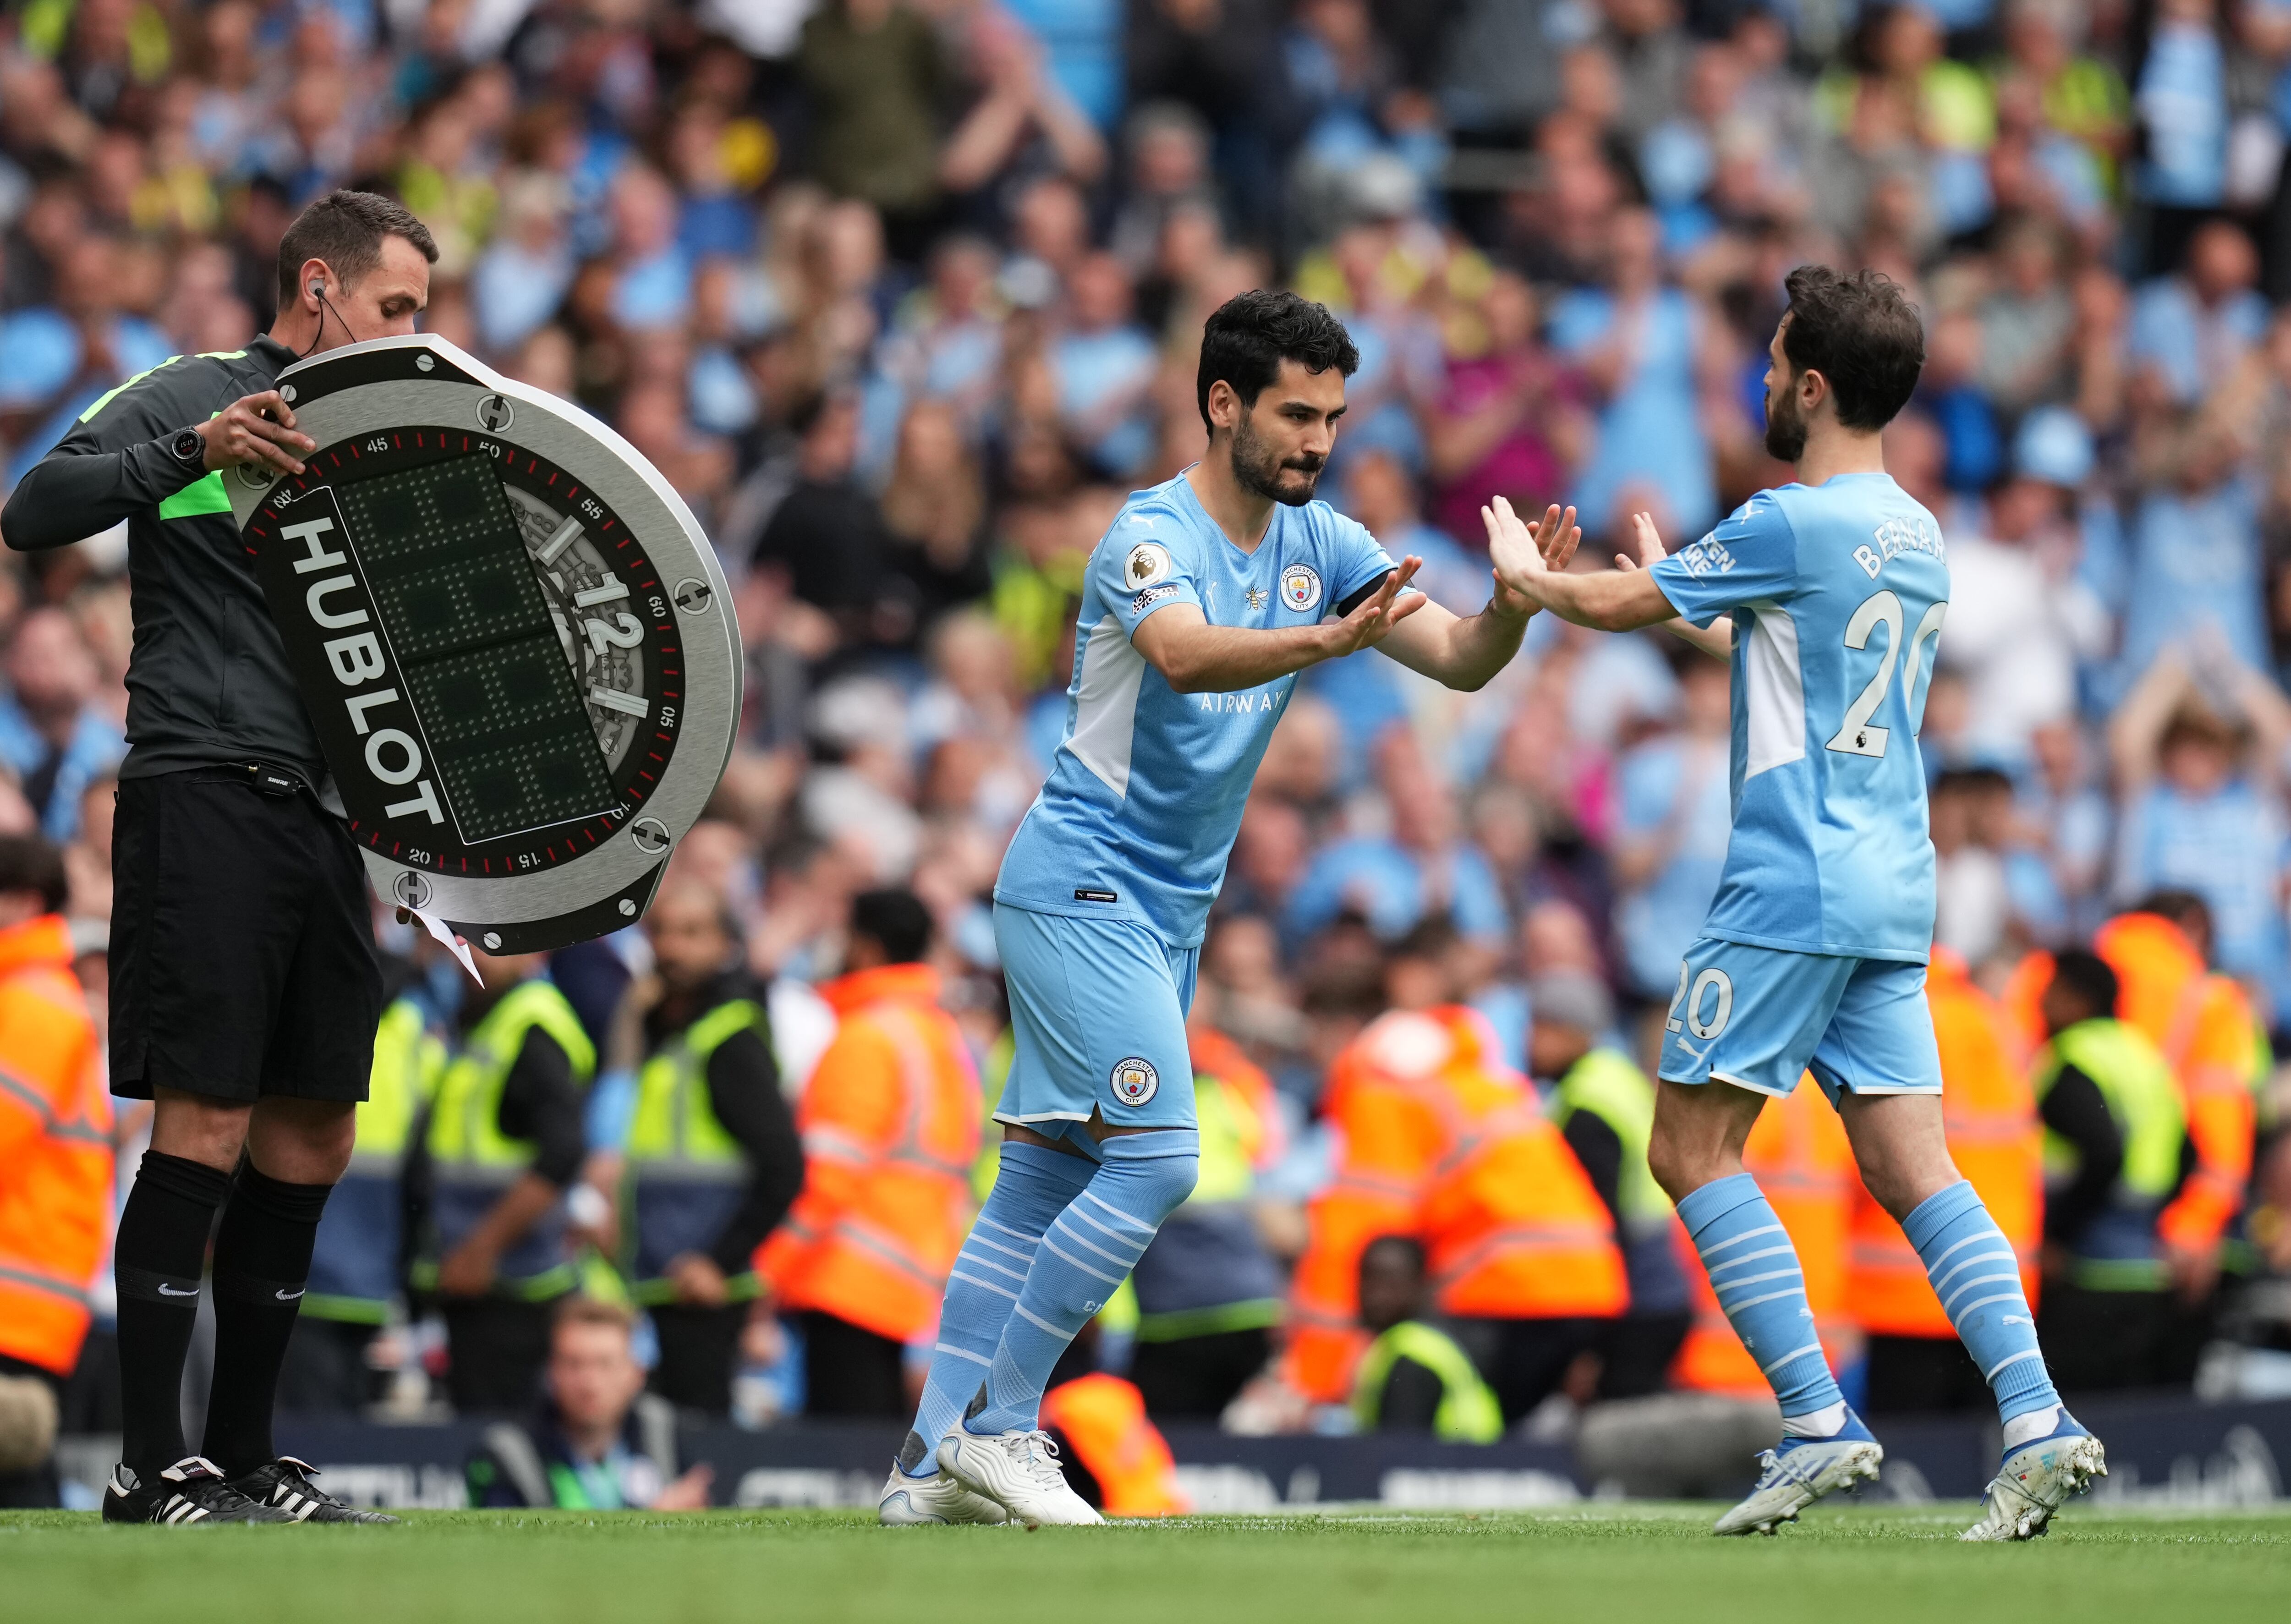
<point>244,986</point>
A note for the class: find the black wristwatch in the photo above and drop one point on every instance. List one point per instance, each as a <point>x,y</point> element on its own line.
<point>190,448</point>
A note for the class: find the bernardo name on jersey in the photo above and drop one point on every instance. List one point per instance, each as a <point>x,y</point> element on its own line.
<point>1146,792</point>
<point>1838,594</point>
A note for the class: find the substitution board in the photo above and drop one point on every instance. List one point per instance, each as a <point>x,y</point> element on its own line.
<point>511,635</point>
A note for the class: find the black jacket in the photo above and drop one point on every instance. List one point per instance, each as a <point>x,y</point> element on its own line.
<point>744,1091</point>
<point>531,1463</point>
<point>208,682</point>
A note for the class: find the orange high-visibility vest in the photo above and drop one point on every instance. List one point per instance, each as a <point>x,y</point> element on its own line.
<point>890,1127</point>
<point>1989,1112</point>
<point>1104,1419</point>
<point>1442,1143</point>
<point>1216,1055</point>
<point>2020,1004</point>
<point>55,1148</point>
<point>1799,1154</point>
<point>2204,1024</point>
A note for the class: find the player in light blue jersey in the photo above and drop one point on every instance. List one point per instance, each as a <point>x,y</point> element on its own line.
<point>1834,590</point>
<point>1203,601</point>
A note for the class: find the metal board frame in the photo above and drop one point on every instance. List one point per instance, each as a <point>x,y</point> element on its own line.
<point>385,383</point>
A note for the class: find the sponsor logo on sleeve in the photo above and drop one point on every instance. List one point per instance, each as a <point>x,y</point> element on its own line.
<point>1135,1081</point>
<point>1706,557</point>
<point>1300,588</point>
<point>1148,562</point>
<point>1151,596</point>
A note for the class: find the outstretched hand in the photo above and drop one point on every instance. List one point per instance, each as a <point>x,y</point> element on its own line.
<point>1379,613</point>
<point>1651,552</point>
<point>1525,555</point>
<point>1717,641</point>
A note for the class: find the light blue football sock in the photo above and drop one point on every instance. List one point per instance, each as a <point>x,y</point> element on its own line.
<point>1754,1271</point>
<point>1085,1256</point>
<point>1032,1186</point>
<point>1978,1280</point>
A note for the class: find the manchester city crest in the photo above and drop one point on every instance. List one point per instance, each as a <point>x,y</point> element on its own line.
<point>1300,587</point>
<point>1135,1081</point>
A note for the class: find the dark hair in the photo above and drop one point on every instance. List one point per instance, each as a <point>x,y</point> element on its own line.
<point>2087,978</point>
<point>1861,333</point>
<point>29,864</point>
<point>896,919</point>
<point>1433,936</point>
<point>1968,780</point>
<point>1406,1246</point>
<point>2181,907</point>
<point>1345,991</point>
<point>1247,337</point>
<point>347,230</point>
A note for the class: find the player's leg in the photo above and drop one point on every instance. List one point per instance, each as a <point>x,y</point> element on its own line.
<point>1752,1263</point>
<point>1879,1062</point>
<point>1088,1251</point>
<point>1128,994</point>
<point>1033,1183</point>
<point>1035,1177</point>
<point>1740,1029</point>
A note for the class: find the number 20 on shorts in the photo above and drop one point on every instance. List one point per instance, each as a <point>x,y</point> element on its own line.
<point>1691,1002</point>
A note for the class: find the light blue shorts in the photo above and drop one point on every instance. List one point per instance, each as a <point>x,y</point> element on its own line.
<point>1758,1017</point>
<point>1098,1019</point>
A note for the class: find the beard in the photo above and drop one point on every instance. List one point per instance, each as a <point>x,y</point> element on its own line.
<point>1785,426</point>
<point>1259,470</point>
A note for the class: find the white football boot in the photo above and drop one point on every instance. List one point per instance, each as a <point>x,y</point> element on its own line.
<point>1018,1470</point>
<point>2036,1478</point>
<point>910,1501</point>
<point>1799,1472</point>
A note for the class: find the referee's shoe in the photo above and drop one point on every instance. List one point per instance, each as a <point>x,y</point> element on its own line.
<point>193,1490</point>
<point>284,1484</point>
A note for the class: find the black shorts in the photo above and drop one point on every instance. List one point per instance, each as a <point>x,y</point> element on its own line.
<point>242,945</point>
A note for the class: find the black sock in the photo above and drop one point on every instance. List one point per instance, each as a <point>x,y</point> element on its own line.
<point>261,1263</point>
<point>156,1262</point>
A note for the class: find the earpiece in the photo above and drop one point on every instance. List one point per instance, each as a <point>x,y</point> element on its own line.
<point>316,288</point>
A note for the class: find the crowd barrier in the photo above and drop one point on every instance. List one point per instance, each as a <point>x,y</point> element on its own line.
<point>2163,1452</point>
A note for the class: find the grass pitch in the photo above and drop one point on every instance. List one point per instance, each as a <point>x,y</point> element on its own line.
<point>1611,1564</point>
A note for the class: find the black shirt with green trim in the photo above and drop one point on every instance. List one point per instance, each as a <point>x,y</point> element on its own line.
<point>208,682</point>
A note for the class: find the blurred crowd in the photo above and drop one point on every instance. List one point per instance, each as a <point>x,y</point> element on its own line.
<point>904,295</point>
